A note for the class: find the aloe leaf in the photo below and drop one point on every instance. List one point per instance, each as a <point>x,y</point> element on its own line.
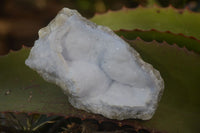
<point>179,109</point>
<point>161,19</point>
<point>172,25</point>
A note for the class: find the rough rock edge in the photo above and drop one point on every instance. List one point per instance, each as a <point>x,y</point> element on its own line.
<point>155,74</point>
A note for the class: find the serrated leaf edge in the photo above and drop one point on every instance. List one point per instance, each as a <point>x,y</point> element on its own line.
<point>174,45</point>
<point>14,51</point>
<point>124,8</point>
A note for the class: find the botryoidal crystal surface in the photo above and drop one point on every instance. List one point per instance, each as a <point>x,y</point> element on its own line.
<point>98,70</point>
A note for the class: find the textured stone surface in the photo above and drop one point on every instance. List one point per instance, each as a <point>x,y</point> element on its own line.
<point>98,71</point>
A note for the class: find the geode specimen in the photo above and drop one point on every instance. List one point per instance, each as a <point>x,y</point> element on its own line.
<point>98,71</point>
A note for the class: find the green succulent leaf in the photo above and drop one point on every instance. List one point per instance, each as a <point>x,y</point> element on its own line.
<point>168,24</point>
<point>24,90</point>
<point>179,109</point>
<point>161,19</point>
